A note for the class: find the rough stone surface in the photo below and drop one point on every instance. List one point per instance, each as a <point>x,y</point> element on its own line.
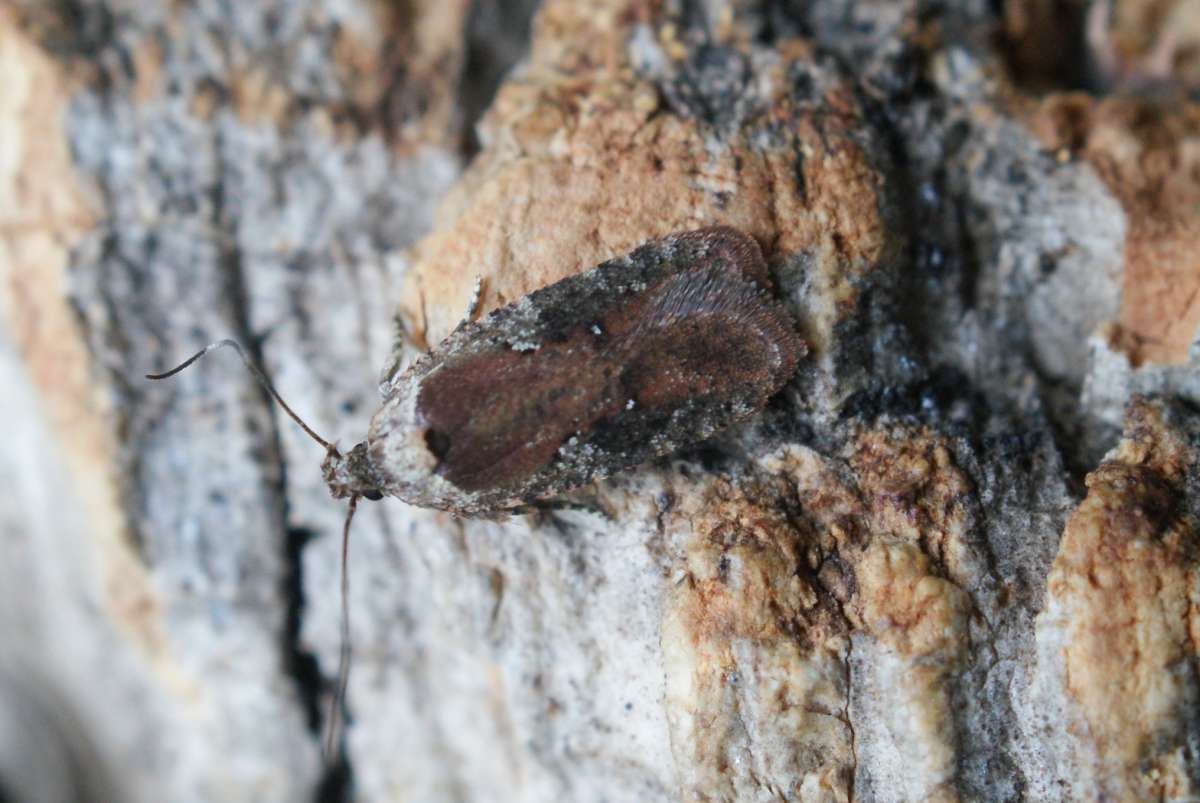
<point>955,559</point>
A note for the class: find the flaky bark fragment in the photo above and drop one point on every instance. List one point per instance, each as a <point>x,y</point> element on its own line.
<point>1148,155</point>
<point>1118,641</point>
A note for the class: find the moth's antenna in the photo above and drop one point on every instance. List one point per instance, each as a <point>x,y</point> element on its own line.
<point>258,374</point>
<point>338,703</point>
<point>339,698</point>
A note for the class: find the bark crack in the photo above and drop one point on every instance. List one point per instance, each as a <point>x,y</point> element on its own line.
<point>299,664</point>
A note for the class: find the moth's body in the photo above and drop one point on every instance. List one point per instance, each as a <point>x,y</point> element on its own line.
<point>593,374</point>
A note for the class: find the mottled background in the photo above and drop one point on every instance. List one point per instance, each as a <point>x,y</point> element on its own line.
<point>957,558</point>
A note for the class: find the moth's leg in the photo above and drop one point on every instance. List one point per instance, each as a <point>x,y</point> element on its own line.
<point>472,305</point>
<point>404,344</point>
<point>400,335</point>
<point>403,340</point>
<point>548,507</point>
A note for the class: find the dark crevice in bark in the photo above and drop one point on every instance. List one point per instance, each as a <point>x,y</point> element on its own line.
<point>1050,50</point>
<point>498,34</point>
<point>299,664</point>
<point>337,784</point>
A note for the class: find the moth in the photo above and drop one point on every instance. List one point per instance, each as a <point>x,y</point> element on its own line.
<point>594,374</point>
<point>591,375</point>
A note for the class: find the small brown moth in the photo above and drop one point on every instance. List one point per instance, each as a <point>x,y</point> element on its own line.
<point>594,374</point>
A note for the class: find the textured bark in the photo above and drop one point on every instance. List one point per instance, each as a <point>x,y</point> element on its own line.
<point>957,558</point>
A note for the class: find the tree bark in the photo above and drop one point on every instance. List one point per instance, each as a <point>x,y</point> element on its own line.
<point>955,559</point>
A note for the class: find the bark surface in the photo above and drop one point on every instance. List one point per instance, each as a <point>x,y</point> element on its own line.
<point>956,558</point>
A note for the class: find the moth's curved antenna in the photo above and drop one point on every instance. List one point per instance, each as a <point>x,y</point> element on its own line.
<point>338,703</point>
<point>258,374</point>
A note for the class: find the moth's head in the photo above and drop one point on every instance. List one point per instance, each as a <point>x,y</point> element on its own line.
<point>351,474</point>
<point>405,454</point>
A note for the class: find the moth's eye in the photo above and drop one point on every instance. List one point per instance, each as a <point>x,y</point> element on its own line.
<point>373,495</point>
<point>437,442</point>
